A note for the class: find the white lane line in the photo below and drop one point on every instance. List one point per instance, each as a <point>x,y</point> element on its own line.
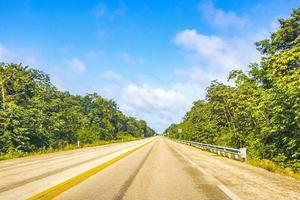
<point>193,163</point>
<point>222,187</point>
<point>228,192</point>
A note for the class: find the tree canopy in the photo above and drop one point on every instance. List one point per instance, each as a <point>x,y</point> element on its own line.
<point>262,110</point>
<point>34,114</point>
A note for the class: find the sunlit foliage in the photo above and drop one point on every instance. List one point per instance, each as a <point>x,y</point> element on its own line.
<point>262,110</point>
<point>35,115</point>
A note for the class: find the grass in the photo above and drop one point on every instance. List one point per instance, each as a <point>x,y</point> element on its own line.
<point>64,148</point>
<point>273,167</point>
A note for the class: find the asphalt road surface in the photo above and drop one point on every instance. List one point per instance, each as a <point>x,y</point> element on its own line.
<point>164,169</point>
<point>24,177</point>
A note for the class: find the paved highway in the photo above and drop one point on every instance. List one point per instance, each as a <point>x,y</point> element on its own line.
<point>24,177</point>
<point>161,169</point>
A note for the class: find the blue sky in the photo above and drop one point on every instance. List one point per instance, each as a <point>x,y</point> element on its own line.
<point>153,57</point>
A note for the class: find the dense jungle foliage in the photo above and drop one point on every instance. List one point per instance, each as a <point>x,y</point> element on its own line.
<point>261,111</point>
<point>35,115</point>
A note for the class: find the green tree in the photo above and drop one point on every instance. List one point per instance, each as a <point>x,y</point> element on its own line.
<point>35,115</point>
<point>262,110</point>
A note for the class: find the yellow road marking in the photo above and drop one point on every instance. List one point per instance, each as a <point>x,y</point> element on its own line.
<point>54,191</point>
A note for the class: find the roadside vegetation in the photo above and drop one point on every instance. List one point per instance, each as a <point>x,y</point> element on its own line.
<point>35,117</point>
<point>261,110</point>
<point>67,147</point>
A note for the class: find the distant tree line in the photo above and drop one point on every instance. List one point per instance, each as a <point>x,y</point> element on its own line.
<point>262,110</point>
<point>34,114</point>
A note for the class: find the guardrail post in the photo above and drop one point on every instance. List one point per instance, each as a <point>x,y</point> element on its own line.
<point>243,154</point>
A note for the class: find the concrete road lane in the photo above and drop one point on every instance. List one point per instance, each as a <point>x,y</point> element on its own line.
<point>165,169</point>
<point>156,171</point>
<point>24,177</point>
<point>162,169</point>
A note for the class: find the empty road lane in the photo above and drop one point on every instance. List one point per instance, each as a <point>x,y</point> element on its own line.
<point>164,169</point>
<point>156,171</point>
<point>24,177</point>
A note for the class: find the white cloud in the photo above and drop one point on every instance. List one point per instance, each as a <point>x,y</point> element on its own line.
<point>209,58</point>
<point>145,96</point>
<point>215,53</point>
<point>157,106</point>
<point>110,75</point>
<point>77,65</point>
<point>220,18</point>
<point>130,60</point>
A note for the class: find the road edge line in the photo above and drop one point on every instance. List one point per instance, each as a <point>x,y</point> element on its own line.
<point>228,192</point>
<point>55,190</point>
<point>220,185</point>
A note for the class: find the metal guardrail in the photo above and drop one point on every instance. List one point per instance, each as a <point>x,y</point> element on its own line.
<point>224,151</point>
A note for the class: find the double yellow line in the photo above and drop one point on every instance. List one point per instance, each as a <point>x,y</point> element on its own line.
<point>54,191</point>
